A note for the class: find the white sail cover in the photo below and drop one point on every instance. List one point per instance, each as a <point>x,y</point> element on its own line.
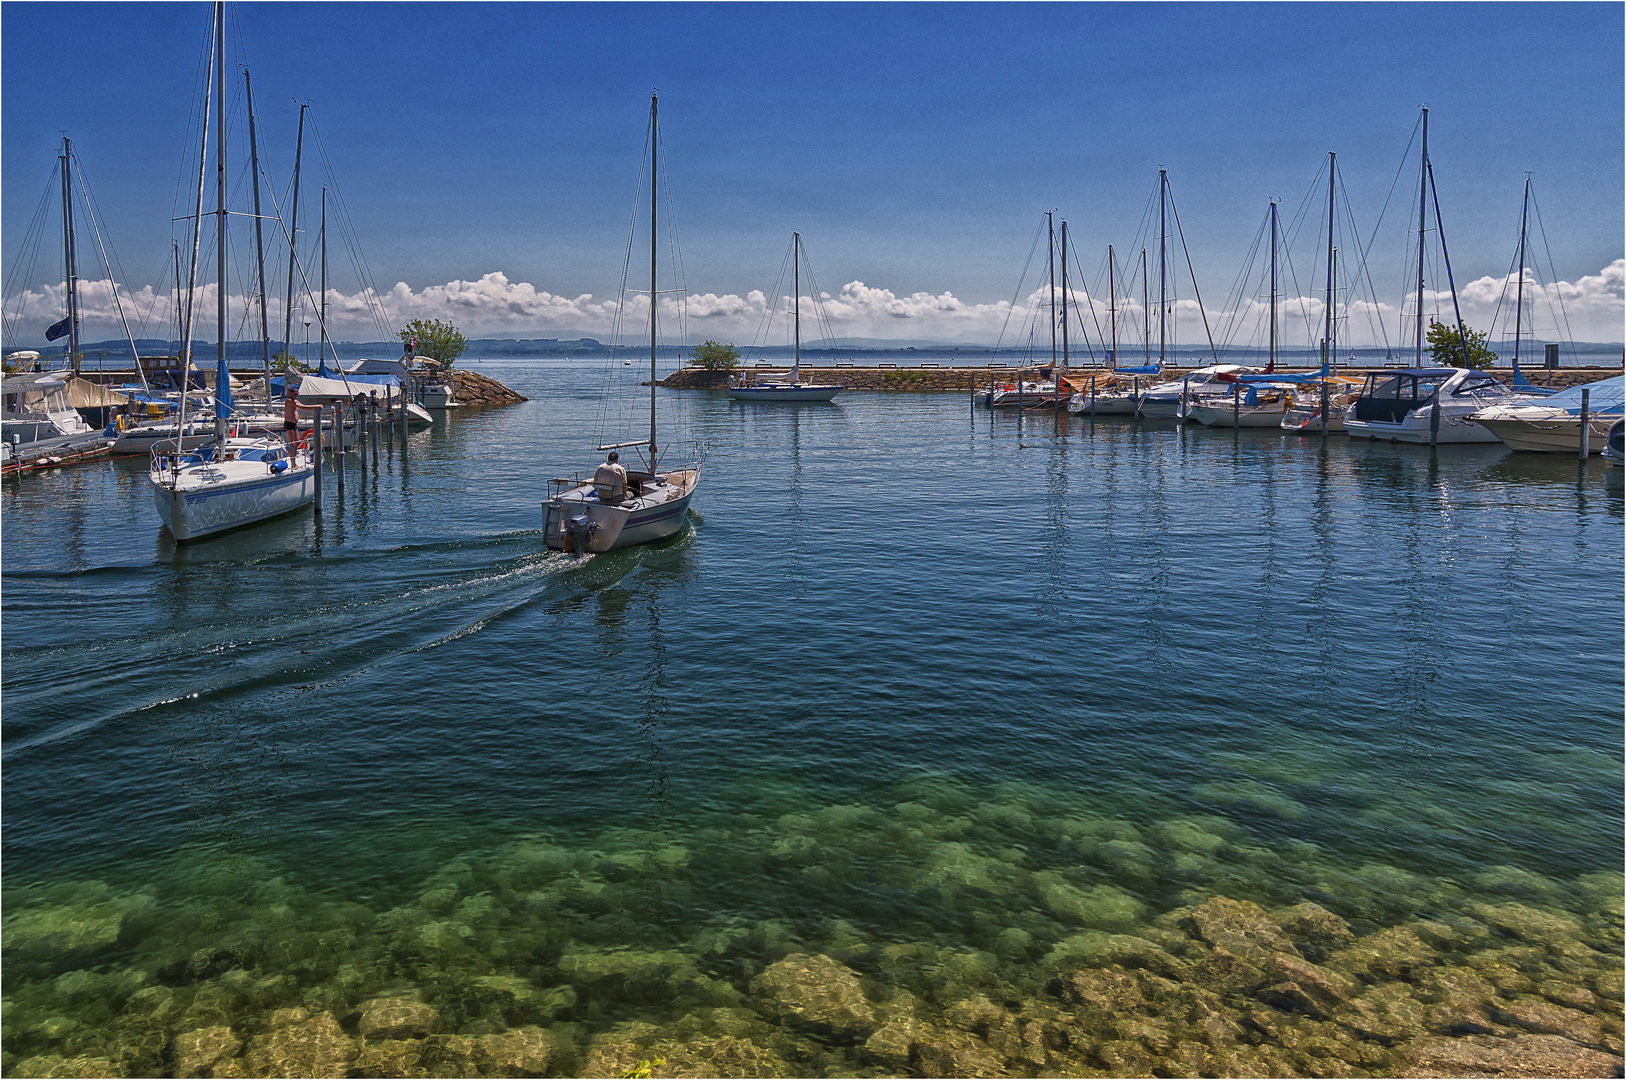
<point>314,386</point>
<point>1606,395</point>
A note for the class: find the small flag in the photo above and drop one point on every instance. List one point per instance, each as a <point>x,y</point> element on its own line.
<point>58,330</point>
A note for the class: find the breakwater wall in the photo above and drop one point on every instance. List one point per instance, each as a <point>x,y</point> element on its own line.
<point>933,377</point>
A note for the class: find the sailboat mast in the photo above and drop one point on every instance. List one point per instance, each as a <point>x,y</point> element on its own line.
<point>293,250</point>
<point>1332,184</point>
<point>1273,285</point>
<point>1112,303</point>
<point>1422,225</point>
<point>259,238</point>
<point>1162,264</point>
<point>796,277</point>
<point>654,228</point>
<point>70,262</point>
<point>185,359</point>
<point>1064,356</point>
<point>222,383</point>
<point>1050,219</point>
<point>321,354</point>
<point>1145,307</point>
<point>1518,307</point>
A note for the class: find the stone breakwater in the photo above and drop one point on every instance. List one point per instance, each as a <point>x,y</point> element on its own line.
<point>964,379</point>
<point>474,389</point>
<point>1014,944</point>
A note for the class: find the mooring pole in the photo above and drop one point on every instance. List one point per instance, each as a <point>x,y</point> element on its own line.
<point>317,436</point>
<point>1325,404</point>
<point>1586,430</point>
<point>338,445</point>
<point>1236,404</point>
<point>1434,420</point>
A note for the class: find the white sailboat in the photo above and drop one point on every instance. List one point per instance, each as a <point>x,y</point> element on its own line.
<point>650,505</point>
<point>226,482</point>
<point>790,387</point>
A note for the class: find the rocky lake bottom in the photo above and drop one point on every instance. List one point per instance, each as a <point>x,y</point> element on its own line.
<point>1046,946</point>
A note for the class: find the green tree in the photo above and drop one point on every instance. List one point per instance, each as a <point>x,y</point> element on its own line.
<point>1445,344</point>
<point>715,356</point>
<point>286,363</point>
<point>437,340</point>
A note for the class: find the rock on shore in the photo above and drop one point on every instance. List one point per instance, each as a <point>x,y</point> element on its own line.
<point>471,388</point>
<point>964,379</point>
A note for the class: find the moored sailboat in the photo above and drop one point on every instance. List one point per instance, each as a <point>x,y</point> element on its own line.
<point>225,482</point>
<point>789,387</point>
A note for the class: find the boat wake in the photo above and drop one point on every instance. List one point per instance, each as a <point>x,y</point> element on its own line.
<point>274,645</point>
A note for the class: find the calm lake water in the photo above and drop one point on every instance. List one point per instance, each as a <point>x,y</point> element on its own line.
<point>973,686</point>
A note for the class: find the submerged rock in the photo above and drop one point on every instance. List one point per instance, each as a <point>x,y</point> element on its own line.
<point>56,932</point>
<point>1487,1056</point>
<point>396,1018</point>
<point>818,993</point>
<point>202,1052</point>
<point>1241,928</point>
<point>1316,932</point>
<point>300,1045</point>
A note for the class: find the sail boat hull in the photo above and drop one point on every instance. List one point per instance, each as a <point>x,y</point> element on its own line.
<point>207,496</point>
<point>784,392</point>
<point>577,521</point>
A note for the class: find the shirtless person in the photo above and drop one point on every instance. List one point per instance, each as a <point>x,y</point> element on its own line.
<point>290,418</point>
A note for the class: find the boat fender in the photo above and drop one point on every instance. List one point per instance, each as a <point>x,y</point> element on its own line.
<point>279,466</point>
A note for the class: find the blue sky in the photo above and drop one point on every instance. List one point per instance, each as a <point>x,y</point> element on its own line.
<point>915,146</point>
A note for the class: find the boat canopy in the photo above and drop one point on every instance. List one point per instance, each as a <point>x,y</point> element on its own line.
<point>314,386</point>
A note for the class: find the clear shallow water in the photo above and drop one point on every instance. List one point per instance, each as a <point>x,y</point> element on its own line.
<point>971,687</point>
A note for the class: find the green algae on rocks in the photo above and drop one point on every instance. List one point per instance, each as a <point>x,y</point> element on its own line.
<point>953,932</point>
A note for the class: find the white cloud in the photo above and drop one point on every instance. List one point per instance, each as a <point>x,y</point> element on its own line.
<point>1594,307</point>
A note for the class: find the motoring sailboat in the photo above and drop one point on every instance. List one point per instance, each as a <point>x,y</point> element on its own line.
<point>790,387</point>
<point>639,506</point>
<point>226,482</point>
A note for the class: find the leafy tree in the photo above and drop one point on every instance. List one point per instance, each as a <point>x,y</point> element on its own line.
<point>715,356</point>
<point>286,363</point>
<point>437,340</point>
<point>1446,347</point>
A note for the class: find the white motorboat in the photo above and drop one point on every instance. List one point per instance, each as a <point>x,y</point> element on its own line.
<point>1400,405</point>
<point>1022,393</point>
<point>36,407</point>
<point>1163,400</point>
<point>593,516</point>
<point>1253,405</point>
<point>1304,415</point>
<point>789,387</point>
<point>1552,424</point>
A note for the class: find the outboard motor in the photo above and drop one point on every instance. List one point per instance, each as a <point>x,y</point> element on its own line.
<point>580,530</point>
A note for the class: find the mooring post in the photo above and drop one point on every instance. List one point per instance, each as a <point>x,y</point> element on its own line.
<point>1185,398</point>
<point>373,425</point>
<point>1095,383</point>
<point>1586,429</point>
<point>338,445</point>
<point>1325,404</point>
<point>1135,392</point>
<point>1236,404</point>
<point>1434,420</point>
<point>317,436</point>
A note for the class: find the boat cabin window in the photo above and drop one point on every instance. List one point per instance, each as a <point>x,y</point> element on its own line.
<point>1481,386</point>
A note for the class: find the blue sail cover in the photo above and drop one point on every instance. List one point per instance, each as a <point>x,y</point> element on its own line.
<point>1149,369</point>
<point>223,406</point>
